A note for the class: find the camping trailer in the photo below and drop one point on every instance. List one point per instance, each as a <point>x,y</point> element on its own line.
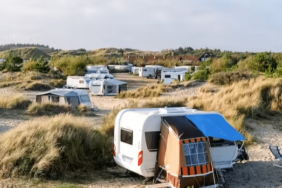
<point>79,82</point>
<point>73,97</point>
<point>97,69</point>
<point>149,70</point>
<point>135,70</point>
<point>99,76</point>
<point>137,136</point>
<point>169,75</point>
<point>107,87</point>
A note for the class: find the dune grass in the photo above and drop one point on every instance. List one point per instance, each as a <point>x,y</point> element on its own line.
<point>256,97</point>
<point>48,109</point>
<point>38,85</point>
<point>154,90</point>
<point>16,101</point>
<point>51,147</point>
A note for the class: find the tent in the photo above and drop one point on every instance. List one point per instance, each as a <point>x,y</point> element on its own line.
<point>73,97</point>
<point>184,158</point>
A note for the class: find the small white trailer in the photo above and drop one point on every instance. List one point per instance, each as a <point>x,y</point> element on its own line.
<point>98,76</point>
<point>149,71</point>
<point>79,82</point>
<point>97,69</point>
<point>107,87</point>
<point>188,68</point>
<point>137,136</point>
<point>169,75</point>
<point>135,70</point>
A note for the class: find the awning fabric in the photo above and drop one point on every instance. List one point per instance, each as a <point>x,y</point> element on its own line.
<point>215,125</point>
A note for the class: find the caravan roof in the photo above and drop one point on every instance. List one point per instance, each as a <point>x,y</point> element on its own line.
<point>65,92</point>
<point>97,76</point>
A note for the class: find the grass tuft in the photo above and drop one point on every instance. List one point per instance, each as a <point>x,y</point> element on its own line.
<point>145,92</point>
<point>14,101</point>
<point>50,147</point>
<point>48,109</point>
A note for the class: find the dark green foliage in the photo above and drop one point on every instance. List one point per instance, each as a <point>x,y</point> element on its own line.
<point>224,78</point>
<point>42,65</point>
<point>13,63</point>
<point>201,75</point>
<point>264,61</point>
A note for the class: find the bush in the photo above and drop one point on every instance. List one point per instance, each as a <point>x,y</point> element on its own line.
<point>221,64</point>
<point>51,147</point>
<point>30,65</point>
<point>14,101</point>
<point>201,75</point>
<point>224,78</point>
<point>188,76</point>
<point>82,108</point>
<point>48,109</point>
<point>35,86</point>
<point>57,83</point>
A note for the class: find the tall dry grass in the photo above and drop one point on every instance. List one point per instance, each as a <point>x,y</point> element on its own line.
<point>226,78</point>
<point>16,101</point>
<point>48,109</point>
<point>145,92</point>
<point>52,147</point>
<point>256,97</point>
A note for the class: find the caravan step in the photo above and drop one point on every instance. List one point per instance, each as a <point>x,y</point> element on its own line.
<point>159,185</point>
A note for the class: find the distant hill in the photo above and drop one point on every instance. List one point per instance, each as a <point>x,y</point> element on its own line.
<point>25,53</point>
<point>44,48</point>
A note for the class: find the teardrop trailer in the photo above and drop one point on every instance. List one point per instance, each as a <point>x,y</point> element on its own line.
<point>139,139</point>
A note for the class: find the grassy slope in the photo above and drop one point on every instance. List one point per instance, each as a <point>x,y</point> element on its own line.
<point>25,53</point>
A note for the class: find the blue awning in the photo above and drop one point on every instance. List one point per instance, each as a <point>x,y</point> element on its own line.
<point>215,125</point>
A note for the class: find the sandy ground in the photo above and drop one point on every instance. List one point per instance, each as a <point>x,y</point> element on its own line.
<point>257,172</point>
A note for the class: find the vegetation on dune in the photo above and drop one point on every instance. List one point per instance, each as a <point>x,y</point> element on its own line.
<point>256,97</point>
<point>148,91</point>
<point>38,85</point>
<point>40,65</point>
<point>48,109</point>
<point>51,147</point>
<point>14,101</point>
<point>226,78</point>
<point>24,53</point>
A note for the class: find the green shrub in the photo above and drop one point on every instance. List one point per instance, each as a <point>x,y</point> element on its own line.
<point>188,76</point>
<point>201,75</point>
<point>221,64</point>
<point>223,78</point>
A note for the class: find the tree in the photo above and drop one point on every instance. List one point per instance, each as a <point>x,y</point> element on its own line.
<point>13,63</point>
<point>42,65</point>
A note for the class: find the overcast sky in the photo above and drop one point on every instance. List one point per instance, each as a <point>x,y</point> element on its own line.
<point>237,25</point>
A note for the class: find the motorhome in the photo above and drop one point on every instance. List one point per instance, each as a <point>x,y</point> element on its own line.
<point>73,97</point>
<point>137,137</point>
<point>97,69</point>
<point>79,82</point>
<point>169,75</point>
<point>107,87</point>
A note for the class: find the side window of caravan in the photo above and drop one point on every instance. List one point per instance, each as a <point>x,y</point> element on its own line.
<point>167,76</point>
<point>81,81</point>
<point>144,70</point>
<point>152,140</point>
<point>126,136</point>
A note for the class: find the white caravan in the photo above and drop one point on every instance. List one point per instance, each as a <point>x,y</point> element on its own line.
<point>99,76</point>
<point>79,82</point>
<point>149,70</point>
<point>97,69</point>
<point>136,138</point>
<point>188,68</point>
<point>107,87</point>
<point>169,75</point>
<point>135,70</point>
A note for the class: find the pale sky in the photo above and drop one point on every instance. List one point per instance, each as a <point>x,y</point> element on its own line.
<point>237,25</point>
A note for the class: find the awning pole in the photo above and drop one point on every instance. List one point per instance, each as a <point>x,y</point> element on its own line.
<point>212,162</point>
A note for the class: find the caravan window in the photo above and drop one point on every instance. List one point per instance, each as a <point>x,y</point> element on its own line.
<point>152,140</point>
<point>167,76</point>
<point>84,98</point>
<point>195,153</point>
<point>126,136</point>
<point>144,70</point>
<point>55,99</point>
<point>81,81</point>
